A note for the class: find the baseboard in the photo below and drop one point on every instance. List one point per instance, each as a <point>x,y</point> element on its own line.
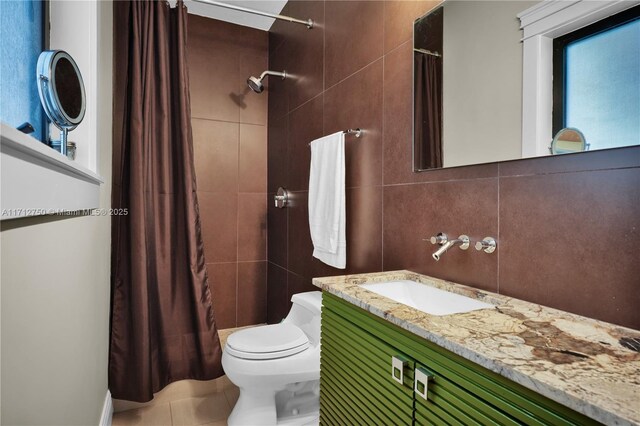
<point>107,410</point>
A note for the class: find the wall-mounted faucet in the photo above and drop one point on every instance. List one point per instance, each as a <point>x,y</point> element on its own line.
<point>488,244</point>
<point>445,244</point>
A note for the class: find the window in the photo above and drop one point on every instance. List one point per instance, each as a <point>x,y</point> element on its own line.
<point>23,35</point>
<point>596,81</point>
<point>37,179</point>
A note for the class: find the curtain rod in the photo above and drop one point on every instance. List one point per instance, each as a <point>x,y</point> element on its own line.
<point>427,52</point>
<point>308,22</point>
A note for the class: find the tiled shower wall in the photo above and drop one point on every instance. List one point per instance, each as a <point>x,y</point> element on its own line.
<point>567,227</point>
<point>230,149</point>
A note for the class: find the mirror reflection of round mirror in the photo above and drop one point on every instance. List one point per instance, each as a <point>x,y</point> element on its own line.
<point>569,140</point>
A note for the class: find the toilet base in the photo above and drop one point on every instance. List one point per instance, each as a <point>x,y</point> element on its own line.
<point>299,402</point>
<point>308,420</point>
<point>254,408</point>
<point>297,405</point>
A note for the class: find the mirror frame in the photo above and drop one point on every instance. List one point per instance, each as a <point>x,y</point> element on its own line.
<point>49,98</point>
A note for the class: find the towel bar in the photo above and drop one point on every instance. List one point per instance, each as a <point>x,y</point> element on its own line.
<point>357,132</point>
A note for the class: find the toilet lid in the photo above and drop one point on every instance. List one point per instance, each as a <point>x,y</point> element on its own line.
<point>267,342</point>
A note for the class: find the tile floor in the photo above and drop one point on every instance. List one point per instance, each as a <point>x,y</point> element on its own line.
<point>210,410</point>
<point>184,403</point>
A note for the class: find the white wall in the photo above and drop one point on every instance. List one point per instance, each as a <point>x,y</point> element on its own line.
<point>482,84</point>
<point>54,288</point>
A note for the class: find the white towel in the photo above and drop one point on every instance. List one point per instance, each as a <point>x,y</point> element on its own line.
<point>327,206</point>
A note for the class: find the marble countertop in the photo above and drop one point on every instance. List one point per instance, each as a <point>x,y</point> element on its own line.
<point>575,361</point>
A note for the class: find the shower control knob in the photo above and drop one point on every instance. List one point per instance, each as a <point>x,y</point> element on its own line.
<point>281,199</point>
<point>440,239</point>
<point>488,245</point>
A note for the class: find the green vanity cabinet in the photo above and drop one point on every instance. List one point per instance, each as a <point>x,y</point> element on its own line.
<point>375,373</point>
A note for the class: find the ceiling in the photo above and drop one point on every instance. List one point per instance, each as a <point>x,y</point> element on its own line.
<point>240,18</point>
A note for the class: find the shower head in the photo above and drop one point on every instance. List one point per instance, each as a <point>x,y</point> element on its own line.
<point>255,83</point>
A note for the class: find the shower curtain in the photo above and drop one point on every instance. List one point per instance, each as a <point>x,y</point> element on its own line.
<point>162,320</point>
<point>428,110</point>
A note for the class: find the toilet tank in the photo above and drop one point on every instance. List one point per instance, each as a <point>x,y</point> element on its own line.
<point>305,313</point>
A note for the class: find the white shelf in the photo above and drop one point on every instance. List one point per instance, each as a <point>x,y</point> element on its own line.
<point>35,179</point>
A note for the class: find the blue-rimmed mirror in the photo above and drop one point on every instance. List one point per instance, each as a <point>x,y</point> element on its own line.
<point>61,92</point>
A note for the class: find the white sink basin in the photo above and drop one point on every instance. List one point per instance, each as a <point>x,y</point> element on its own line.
<point>425,298</point>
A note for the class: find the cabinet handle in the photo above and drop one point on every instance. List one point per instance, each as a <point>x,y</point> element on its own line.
<point>398,364</point>
<point>421,383</point>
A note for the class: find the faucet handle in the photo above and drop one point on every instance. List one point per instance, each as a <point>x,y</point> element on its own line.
<point>440,239</point>
<point>488,245</point>
<point>464,242</point>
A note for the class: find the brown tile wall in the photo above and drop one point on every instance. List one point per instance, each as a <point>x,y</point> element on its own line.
<point>566,226</point>
<point>230,149</point>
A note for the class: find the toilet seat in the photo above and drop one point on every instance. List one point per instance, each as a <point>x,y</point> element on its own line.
<point>267,342</point>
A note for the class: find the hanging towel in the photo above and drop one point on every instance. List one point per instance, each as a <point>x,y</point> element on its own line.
<point>327,206</point>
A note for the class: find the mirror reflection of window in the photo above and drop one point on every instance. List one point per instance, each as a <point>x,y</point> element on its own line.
<point>597,81</point>
<point>484,107</point>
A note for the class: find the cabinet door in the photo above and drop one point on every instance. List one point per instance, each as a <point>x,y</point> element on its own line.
<point>439,401</point>
<point>464,390</point>
<point>358,382</point>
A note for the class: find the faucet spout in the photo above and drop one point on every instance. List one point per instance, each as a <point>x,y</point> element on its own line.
<point>442,250</point>
<point>462,241</point>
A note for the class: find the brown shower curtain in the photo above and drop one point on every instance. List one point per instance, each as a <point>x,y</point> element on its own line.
<point>428,110</point>
<point>162,322</point>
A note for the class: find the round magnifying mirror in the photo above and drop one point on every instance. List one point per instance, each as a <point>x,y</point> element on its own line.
<point>569,140</point>
<point>61,92</point>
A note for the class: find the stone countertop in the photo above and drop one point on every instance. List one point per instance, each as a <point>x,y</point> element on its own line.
<point>573,360</point>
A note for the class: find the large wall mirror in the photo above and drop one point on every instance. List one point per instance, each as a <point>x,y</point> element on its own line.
<point>468,84</point>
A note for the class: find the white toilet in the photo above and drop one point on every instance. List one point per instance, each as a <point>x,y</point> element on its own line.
<point>277,367</point>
